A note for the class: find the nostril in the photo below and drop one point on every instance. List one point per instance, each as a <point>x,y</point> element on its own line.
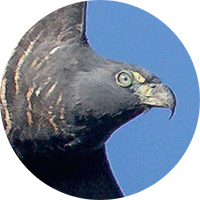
<point>152,85</point>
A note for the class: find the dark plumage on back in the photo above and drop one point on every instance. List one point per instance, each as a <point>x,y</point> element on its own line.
<point>61,102</point>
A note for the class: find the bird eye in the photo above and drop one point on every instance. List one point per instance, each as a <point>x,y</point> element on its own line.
<point>124,78</point>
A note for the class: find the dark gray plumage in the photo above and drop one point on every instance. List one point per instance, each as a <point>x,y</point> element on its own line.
<point>61,102</point>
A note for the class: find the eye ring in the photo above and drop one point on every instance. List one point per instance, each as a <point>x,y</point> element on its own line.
<point>124,78</point>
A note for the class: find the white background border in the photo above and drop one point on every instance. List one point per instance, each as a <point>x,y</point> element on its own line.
<point>183,17</point>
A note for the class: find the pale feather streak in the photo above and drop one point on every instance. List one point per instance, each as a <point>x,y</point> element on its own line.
<point>19,64</point>
<point>21,61</point>
<point>7,117</point>
<point>29,108</point>
<point>52,88</point>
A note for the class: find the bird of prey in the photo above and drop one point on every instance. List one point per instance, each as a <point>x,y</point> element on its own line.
<point>60,102</point>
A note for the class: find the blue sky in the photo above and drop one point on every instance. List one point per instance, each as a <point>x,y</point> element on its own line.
<point>147,148</point>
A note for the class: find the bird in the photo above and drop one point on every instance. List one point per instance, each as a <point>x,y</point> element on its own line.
<point>61,102</point>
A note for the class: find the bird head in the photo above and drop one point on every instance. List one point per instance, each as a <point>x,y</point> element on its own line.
<point>112,93</point>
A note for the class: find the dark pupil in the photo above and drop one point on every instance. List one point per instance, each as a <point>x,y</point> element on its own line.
<point>125,78</point>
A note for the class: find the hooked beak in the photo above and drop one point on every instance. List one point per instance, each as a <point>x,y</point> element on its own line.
<point>158,95</point>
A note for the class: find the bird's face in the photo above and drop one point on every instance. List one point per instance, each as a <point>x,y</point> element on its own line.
<point>118,93</point>
<point>121,87</point>
<point>149,90</point>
